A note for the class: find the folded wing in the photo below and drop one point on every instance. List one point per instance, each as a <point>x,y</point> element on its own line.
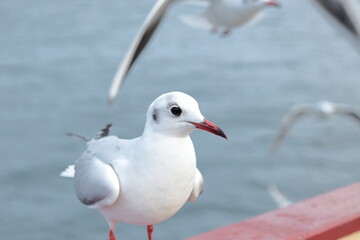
<point>199,186</point>
<point>96,183</point>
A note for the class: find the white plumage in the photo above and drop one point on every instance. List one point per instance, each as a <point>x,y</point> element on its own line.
<point>219,15</point>
<point>145,180</point>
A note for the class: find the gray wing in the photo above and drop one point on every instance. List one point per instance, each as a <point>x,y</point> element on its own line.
<point>348,110</point>
<point>346,12</point>
<point>96,183</point>
<point>354,115</point>
<point>289,119</point>
<point>198,188</point>
<point>139,43</point>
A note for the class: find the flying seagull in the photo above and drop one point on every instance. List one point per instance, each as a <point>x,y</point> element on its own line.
<point>322,110</point>
<point>145,180</point>
<point>220,14</point>
<point>279,198</point>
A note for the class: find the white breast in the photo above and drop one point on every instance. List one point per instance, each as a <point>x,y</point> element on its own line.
<point>231,13</point>
<point>155,182</point>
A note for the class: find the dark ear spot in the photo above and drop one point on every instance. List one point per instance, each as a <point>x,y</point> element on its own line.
<point>155,115</point>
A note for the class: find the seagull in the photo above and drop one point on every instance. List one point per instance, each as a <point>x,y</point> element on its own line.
<point>227,14</point>
<point>278,197</point>
<point>322,110</point>
<point>345,12</point>
<point>145,180</point>
<point>220,14</point>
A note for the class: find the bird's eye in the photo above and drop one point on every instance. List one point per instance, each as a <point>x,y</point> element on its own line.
<point>175,110</point>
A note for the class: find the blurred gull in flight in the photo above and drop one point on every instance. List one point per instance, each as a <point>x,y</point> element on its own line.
<point>144,180</point>
<point>220,14</point>
<point>322,110</point>
<point>277,196</point>
<point>345,12</point>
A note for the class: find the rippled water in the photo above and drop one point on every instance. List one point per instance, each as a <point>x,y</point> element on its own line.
<point>57,60</point>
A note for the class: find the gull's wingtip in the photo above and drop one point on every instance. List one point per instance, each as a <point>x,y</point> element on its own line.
<point>111,99</point>
<point>114,89</point>
<point>273,148</point>
<point>113,93</point>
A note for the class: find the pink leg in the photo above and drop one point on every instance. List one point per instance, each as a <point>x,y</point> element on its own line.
<point>227,32</point>
<point>112,235</point>
<point>150,229</point>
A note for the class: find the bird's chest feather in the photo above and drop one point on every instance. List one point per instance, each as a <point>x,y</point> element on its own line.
<point>166,168</point>
<point>230,13</point>
<point>156,186</point>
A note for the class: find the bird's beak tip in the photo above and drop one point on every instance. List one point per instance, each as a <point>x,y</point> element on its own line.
<point>210,127</point>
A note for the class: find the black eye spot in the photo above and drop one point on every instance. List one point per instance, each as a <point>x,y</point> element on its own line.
<point>176,110</point>
<point>155,115</point>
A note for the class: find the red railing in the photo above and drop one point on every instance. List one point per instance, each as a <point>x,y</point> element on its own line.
<point>326,217</point>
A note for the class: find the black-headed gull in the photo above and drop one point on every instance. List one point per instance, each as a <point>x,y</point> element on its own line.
<point>220,14</point>
<point>322,110</point>
<point>145,180</point>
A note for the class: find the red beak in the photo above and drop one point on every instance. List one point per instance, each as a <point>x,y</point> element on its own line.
<point>272,3</point>
<point>210,127</point>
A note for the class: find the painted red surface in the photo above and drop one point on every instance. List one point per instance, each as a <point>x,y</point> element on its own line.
<point>325,217</point>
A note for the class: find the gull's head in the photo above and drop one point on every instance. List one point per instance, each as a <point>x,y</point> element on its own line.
<point>177,114</point>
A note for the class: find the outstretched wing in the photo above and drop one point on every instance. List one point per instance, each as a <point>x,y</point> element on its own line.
<point>354,115</point>
<point>96,183</point>
<point>139,43</point>
<point>199,186</point>
<point>348,110</point>
<point>345,12</point>
<point>295,112</point>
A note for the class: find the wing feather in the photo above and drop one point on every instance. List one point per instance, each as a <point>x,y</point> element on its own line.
<point>199,186</point>
<point>295,112</point>
<point>139,43</point>
<point>96,183</point>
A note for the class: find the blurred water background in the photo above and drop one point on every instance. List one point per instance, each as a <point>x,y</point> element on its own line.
<point>58,58</point>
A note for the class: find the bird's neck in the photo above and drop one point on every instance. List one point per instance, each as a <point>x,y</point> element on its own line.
<point>152,130</point>
<point>150,133</point>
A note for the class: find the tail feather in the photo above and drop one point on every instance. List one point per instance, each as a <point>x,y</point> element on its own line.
<point>104,132</point>
<point>68,172</point>
<point>74,135</point>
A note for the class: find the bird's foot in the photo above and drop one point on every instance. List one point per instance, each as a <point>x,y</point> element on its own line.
<point>150,229</point>
<point>227,32</point>
<point>112,235</point>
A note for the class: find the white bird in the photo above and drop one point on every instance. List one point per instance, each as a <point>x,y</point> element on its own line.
<point>322,110</point>
<point>220,14</point>
<point>145,180</point>
<point>278,197</point>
